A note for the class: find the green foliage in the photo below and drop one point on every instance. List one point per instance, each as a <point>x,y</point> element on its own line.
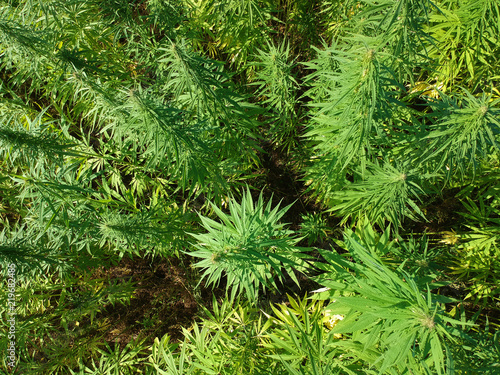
<point>367,115</point>
<point>352,96</point>
<point>303,344</point>
<point>476,260</point>
<point>465,43</point>
<point>302,21</point>
<point>394,324</point>
<point>278,89</point>
<point>464,134</point>
<point>386,193</point>
<point>478,352</point>
<point>231,27</point>
<point>228,342</point>
<point>49,315</point>
<point>314,228</point>
<point>249,246</point>
<point>114,361</point>
<point>356,132</point>
<point>126,127</point>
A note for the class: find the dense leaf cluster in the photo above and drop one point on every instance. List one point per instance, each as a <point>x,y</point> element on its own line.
<point>149,129</point>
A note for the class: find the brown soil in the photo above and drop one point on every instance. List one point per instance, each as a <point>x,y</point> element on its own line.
<point>165,299</point>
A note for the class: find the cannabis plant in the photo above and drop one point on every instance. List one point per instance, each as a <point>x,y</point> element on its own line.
<point>392,323</point>
<point>302,339</point>
<point>120,121</point>
<point>249,246</point>
<point>116,361</point>
<point>278,88</point>
<point>465,133</point>
<point>314,227</point>
<point>476,261</point>
<point>479,351</point>
<point>231,29</point>
<point>359,160</point>
<point>465,43</point>
<point>386,193</point>
<point>227,341</point>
